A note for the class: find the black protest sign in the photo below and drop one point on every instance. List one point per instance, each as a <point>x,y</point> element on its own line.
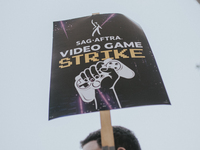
<point>102,62</point>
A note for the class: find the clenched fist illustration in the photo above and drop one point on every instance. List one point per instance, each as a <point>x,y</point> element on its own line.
<point>103,74</point>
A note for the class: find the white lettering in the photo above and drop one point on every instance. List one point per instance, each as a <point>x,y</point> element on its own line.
<point>77,51</point>
<point>86,49</point>
<point>131,44</point>
<point>118,44</point>
<point>108,45</point>
<point>96,40</point>
<point>118,38</point>
<point>97,47</point>
<point>64,54</point>
<point>138,44</point>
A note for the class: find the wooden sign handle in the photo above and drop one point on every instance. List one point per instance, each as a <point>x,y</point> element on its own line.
<point>107,138</point>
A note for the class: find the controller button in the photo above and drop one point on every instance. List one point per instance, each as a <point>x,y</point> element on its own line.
<point>97,76</point>
<point>92,80</point>
<point>96,84</point>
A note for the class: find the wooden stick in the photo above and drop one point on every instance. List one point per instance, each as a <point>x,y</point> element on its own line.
<point>95,13</point>
<point>107,138</point>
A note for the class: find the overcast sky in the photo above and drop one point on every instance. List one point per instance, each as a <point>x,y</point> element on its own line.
<point>173,31</point>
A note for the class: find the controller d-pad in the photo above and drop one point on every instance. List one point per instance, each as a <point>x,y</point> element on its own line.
<point>114,65</point>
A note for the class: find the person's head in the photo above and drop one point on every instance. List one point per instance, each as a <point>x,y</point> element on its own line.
<point>124,140</point>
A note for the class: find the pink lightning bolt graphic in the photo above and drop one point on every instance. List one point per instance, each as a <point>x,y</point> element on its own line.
<point>105,100</point>
<point>112,15</point>
<point>63,27</point>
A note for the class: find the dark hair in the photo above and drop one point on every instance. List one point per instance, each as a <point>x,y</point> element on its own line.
<point>123,138</point>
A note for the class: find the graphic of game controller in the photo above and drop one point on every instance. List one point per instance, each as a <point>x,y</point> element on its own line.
<point>91,78</point>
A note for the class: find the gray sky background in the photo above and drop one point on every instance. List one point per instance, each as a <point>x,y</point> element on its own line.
<point>173,31</point>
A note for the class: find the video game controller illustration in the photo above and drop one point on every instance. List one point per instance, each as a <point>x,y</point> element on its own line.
<point>91,78</point>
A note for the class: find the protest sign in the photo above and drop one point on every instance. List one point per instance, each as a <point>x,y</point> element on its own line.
<point>102,62</point>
